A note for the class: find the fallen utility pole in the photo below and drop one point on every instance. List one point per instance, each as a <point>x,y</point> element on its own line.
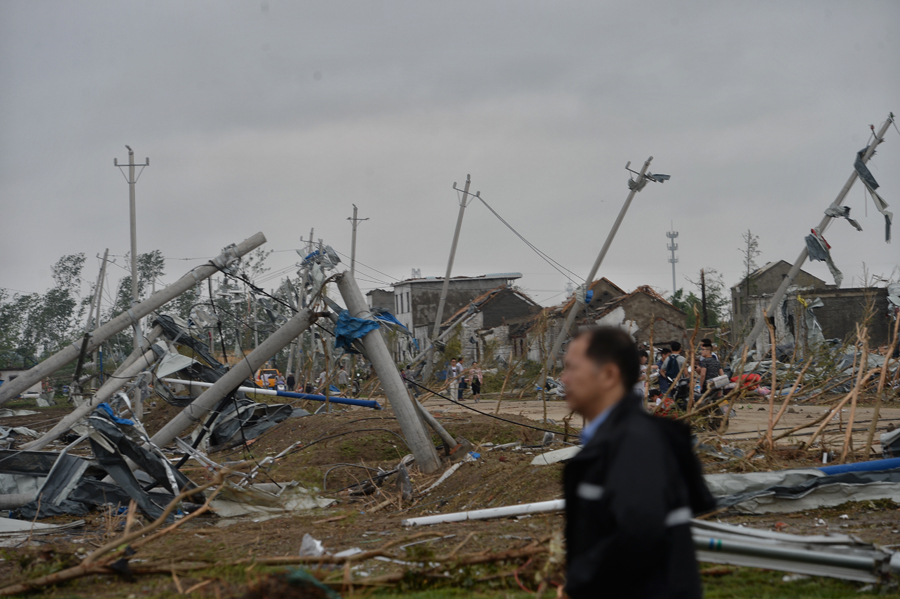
<point>635,186</point>
<point>376,350</point>
<point>122,321</point>
<point>804,254</point>
<point>197,410</point>
<point>463,202</point>
<point>105,393</point>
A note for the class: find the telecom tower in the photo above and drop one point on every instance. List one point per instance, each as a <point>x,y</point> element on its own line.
<point>672,234</point>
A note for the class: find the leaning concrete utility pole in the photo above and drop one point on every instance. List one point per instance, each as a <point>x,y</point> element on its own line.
<point>355,221</point>
<point>636,186</point>
<point>132,181</point>
<point>105,393</point>
<point>463,202</point>
<point>376,351</point>
<point>99,292</point>
<point>197,410</point>
<point>804,254</point>
<point>122,321</point>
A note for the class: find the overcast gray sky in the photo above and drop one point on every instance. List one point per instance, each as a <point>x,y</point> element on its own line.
<point>277,116</point>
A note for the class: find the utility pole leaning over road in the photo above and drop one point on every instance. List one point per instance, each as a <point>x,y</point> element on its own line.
<point>132,180</point>
<point>804,254</point>
<point>635,185</point>
<point>463,202</point>
<point>354,220</point>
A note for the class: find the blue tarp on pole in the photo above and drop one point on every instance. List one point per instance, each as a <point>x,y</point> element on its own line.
<point>348,329</point>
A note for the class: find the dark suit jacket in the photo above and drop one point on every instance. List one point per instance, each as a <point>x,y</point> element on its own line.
<point>630,494</point>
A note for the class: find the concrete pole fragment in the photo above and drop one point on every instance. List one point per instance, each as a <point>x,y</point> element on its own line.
<point>105,393</point>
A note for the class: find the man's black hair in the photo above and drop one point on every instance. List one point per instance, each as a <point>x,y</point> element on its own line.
<point>643,354</point>
<point>706,342</point>
<point>675,346</point>
<point>609,345</point>
<point>654,393</point>
<point>665,351</point>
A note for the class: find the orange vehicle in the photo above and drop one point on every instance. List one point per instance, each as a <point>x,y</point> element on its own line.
<point>267,377</point>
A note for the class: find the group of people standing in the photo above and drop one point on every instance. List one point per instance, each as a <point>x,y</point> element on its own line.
<point>460,378</point>
<point>674,373</point>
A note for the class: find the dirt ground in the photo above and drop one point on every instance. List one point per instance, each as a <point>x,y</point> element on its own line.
<point>338,442</point>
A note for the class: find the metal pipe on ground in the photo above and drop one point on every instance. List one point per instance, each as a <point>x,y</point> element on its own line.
<point>124,320</point>
<point>246,368</point>
<point>719,550</point>
<point>408,416</point>
<point>556,505</point>
<point>105,393</point>
<point>365,403</point>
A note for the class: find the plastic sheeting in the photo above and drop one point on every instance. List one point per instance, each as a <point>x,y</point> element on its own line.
<point>820,251</point>
<point>265,498</point>
<point>349,328</point>
<point>798,490</point>
<point>871,185</point>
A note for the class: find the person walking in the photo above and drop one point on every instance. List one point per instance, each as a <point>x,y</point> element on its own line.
<point>660,373</point>
<point>453,380</point>
<point>710,368</point>
<point>291,381</point>
<point>676,374</point>
<point>632,490</point>
<point>476,378</point>
<point>343,379</point>
<point>461,378</point>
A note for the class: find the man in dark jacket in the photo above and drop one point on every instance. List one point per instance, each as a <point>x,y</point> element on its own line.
<point>631,491</point>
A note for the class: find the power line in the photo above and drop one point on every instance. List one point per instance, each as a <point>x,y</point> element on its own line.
<point>553,263</point>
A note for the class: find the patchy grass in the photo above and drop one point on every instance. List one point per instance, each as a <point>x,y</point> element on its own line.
<point>729,582</point>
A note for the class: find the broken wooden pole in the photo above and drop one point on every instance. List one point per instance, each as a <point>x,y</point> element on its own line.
<point>411,424</point>
<point>804,254</point>
<point>105,393</point>
<point>123,321</point>
<point>197,410</point>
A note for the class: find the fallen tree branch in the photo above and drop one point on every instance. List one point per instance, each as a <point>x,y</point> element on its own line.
<point>91,565</point>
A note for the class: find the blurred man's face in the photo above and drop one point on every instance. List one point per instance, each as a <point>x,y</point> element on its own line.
<point>583,378</point>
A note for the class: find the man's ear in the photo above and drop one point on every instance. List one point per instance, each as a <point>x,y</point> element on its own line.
<point>609,374</point>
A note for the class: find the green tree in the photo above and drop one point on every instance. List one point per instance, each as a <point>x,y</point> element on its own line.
<point>34,324</point>
<point>717,303</point>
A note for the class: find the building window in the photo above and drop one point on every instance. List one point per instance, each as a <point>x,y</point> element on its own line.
<point>408,308</point>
